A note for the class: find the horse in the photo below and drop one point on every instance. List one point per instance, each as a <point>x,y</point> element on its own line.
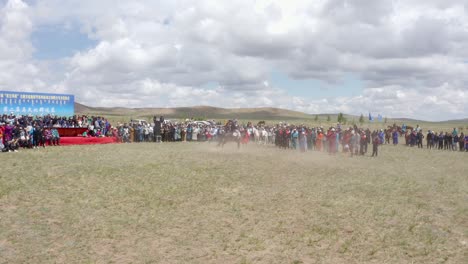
<point>403,131</point>
<point>400,130</point>
<point>263,136</point>
<point>224,137</point>
<point>256,134</point>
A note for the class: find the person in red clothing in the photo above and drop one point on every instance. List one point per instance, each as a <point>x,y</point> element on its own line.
<point>2,131</point>
<point>331,139</point>
<point>346,140</point>
<point>318,142</point>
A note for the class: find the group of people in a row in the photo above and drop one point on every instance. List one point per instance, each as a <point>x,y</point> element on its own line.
<point>355,140</point>
<point>76,121</point>
<point>454,140</point>
<point>32,132</point>
<point>15,137</point>
<point>161,131</point>
<point>352,140</point>
<point>39,131</point>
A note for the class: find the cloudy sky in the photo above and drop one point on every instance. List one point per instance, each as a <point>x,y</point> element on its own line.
<point>399,58</point>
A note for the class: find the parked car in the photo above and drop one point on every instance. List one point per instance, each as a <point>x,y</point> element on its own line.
<point>139,122</point>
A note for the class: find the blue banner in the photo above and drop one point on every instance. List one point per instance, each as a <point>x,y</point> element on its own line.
<point>379,117</point>
<point>37,104</point>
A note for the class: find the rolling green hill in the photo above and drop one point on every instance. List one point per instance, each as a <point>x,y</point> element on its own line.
<point>122,114</point>
<point>208,112</point>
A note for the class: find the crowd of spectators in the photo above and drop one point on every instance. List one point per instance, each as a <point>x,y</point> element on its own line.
<point>32,132</point>
<point>355,141</point>
<point>167,131</point>
<point>352,140</point>
<point>453,141</point>
<point>27,131</point>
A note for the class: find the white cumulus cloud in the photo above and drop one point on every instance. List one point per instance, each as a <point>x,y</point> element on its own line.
<point>410,55</point>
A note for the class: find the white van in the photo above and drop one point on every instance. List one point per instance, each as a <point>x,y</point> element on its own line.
<point>139,122</point>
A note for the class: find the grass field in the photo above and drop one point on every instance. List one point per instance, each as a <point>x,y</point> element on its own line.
<point>195,203</point>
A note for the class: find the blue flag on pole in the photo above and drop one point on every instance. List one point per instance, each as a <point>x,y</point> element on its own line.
<point>379,117</point>
<point>370,117</point>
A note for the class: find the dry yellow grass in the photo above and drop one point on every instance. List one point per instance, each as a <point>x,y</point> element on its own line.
<point>195,203</point>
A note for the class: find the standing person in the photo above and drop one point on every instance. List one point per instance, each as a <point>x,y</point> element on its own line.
<point>8,132</point>
<point>461,142</point>
<point>419,138</point>
<point>353,143</point>
<point>48,136</point>
<point>357,139</point>
<point>318,142</point>
<point>454,132</point>
<point>363,149</point>
<point>172,133</point>
<point>288,137</point>
<point>331,137</point>
<point>346,141</point>
<point>466,142</point>
<point>449,141</point>
<point>395,137</point>
<point>455,142</point>
<point>189,132</point>
<point>313,138</point>
<point>37,136</point>
<point>55,137</point>
<point>131,136</point>
<point>177,136</point>
<point>434,139</point>
<point>339,135</point>
<point>294,138</point>
<point>369,138</point>
<point>303,140</point>
<point>429,139</point>
<point>31,135</point>
<point>441,138</point>
<point>195,133</point>
<point>375,146</point>
<point>446,141</point>
<point>382,136</point>
<point>246,137</point>
<point>151,133</point>
<point>413,138</point>
<point>183,133</point>
<point>279,137</point>
<point>126,133</point>
<point>139,132</point>
<point>145,133</point>
<point>324,142</point>
<point>157,130</point>
<point>2,146</point>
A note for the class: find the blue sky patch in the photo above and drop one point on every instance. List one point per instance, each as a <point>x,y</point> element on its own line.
<point>56,42</point>
<point>351,85</point>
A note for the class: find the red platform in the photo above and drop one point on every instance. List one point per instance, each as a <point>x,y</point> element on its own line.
<point>71,132</point>
<point>66,141</point>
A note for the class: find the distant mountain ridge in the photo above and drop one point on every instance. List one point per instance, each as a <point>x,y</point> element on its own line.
<point>210,112</point>
<point>268,113</point>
